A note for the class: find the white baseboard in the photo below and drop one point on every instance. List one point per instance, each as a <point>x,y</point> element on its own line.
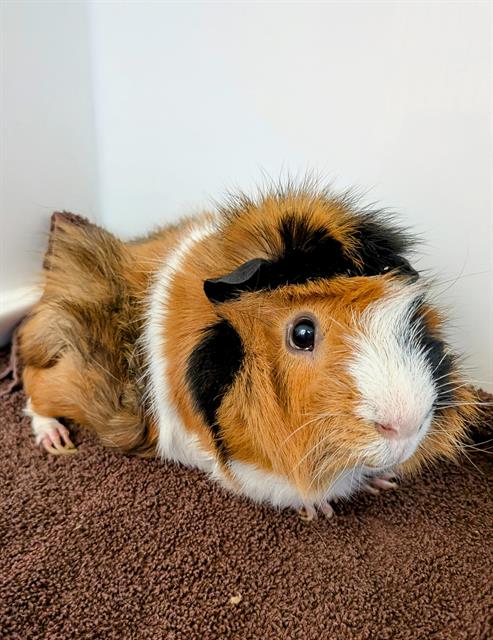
<point>14,304</point>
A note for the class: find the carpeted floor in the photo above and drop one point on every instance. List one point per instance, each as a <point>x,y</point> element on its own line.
<point>101,546</point>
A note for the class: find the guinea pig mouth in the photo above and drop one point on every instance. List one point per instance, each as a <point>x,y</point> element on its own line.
<point>387,453</point>
<point>390,451</point>
<point>405,449</point>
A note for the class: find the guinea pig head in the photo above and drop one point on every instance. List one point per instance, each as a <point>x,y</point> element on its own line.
<point>327,356</point>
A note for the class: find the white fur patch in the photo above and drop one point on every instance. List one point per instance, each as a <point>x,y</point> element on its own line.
<point>263,486</point>
<point>392,373</point>
<point>40,425</point>
<point>175,442</point>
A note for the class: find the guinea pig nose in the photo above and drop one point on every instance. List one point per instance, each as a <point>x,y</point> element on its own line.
<point>387,430</point>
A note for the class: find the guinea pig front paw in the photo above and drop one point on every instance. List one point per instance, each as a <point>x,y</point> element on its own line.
<point>326,509</point>
<point>383,482</point>
<point>309,513</point>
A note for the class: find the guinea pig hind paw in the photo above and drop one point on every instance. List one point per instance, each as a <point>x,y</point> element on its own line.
<point>307,513</point>
<point>57,440</point>
<point>49,433</point>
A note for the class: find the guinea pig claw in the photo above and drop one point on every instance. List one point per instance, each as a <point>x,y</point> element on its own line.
<point>378,483</point>
<point>370,488</point>
<point>59,449</point>
<point>388,476</point>
<point>327,510</point>
<point>307,513</point>
<point>383,483</point>
<point>57,441</point>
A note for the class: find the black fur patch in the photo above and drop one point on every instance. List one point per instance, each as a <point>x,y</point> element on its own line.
<point>380,248</point>
<point>441,363</point>
<point>310,253</point>
<point>211,370</point>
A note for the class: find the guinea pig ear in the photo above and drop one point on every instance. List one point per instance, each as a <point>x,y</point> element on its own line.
<point>405,268</point>
<point>247,277</point>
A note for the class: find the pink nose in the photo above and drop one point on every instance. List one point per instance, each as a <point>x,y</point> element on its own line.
<point>388,430</point>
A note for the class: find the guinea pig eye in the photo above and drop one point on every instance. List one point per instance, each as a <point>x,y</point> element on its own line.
<point>302,335</point>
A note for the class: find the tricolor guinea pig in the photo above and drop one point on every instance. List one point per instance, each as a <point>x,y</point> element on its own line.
<point>282,344</point>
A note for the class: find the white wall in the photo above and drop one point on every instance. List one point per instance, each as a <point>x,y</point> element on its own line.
<point>191,98</point>
<point>47,137</point>
<point>396,97</point>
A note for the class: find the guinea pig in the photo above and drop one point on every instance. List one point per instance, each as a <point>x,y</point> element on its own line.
<point>283,344</point>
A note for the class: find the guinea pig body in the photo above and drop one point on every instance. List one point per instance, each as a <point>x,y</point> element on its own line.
<point>284,345</point>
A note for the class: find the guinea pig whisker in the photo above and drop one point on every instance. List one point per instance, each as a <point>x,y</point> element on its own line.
<point>358,459</point>
<point>310,451</point>
<point>436,368</point>
<point>461,448</point>
<point>463,404</point>
<point>477,449</point>
<point>487,451</point>
<point>453,281</point>
<point>439,433</point>
<point>330,461</point>
<point>326,414</point>
<point>477,381</point>
<point>468,458</point>
<point>457,403</point>
<point>449,389</point>
<point>305,424</point>
<point>468,383</point>
<point>335,480</point>
<point>323,469</point>
<point>475,446</point>
<point>450,382</point>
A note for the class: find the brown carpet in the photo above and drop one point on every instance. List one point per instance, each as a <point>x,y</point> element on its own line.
<point>97,545</point>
